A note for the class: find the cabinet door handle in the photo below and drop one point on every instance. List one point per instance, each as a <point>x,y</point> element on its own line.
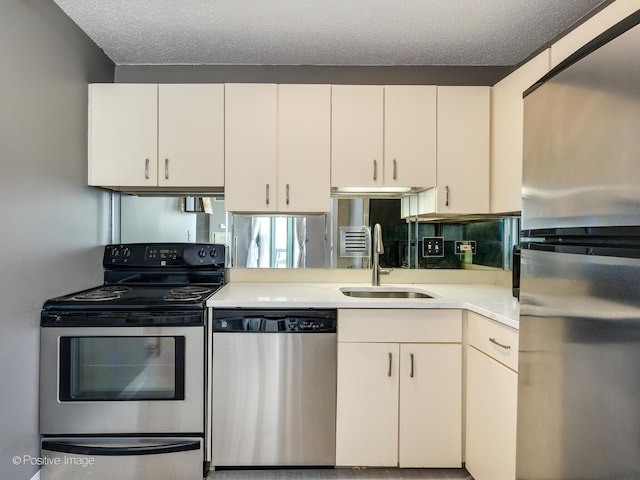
<point>166,169</point>
<point>287,194</point>
<point>446,198</point>
<point>375,170</point>
<point>395,169</point>
<point>267,194</point>
<point>234,259</point>
<point>501,345</point>
<point>411,372</point>
<point>390,364</point>
<point>146,169</point>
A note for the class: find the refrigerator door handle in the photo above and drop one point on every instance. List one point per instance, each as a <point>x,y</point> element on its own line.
<point>584,249</point>
<point>90,450</point>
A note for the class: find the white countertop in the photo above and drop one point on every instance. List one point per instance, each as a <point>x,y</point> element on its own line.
<point>492,301</point>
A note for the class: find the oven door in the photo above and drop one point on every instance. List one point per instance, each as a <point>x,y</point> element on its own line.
<point>122,380</point>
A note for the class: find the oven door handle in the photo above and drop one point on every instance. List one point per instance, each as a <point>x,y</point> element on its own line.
<point>90,450</point>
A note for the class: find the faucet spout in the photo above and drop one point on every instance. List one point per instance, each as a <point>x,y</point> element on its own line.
<point>378,248</point>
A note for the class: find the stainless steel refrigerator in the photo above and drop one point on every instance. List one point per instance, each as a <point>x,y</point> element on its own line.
<point>579,371</point>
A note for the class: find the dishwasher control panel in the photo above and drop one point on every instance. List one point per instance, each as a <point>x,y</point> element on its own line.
<point>274,321</point>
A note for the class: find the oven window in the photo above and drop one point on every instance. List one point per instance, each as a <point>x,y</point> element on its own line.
<point>121,368</point>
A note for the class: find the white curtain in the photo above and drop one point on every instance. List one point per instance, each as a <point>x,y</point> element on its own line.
<point>259,246</point>
<point>300,253</point>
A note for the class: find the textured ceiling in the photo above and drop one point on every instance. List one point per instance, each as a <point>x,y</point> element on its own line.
<point>324,32</point>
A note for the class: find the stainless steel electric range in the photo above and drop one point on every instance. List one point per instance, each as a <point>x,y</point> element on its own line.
<point>124,367</point>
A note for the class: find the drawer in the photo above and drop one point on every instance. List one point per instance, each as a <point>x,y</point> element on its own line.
<point>400,325</point>
<point>494,339</point>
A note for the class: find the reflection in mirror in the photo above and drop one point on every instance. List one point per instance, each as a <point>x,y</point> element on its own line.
<point>279,241</point>
<point>353,220</point>
<point>339,239</point>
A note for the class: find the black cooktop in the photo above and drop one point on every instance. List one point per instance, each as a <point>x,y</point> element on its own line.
<point>152,276</point>
<point>135,297</point>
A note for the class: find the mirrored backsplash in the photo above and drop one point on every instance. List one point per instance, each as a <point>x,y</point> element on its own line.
<point>340,238</point>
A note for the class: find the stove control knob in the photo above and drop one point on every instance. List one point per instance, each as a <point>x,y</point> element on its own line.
<point>115,252</point>
<point>202,253</point>
<point>214,252</point>
<point>126,252</point>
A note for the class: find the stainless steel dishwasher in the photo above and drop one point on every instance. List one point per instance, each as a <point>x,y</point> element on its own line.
<point>274,387</point>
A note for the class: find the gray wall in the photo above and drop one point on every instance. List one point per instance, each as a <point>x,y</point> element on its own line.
<point>52,224</point>
<point>376,75</point>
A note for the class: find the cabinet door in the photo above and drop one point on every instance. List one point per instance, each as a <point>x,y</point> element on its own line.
<point>357,135</point>
<point>123,135</point>
<point>507,127</point>
<point>463,150</point>
<point>430,432</point>
<point>410,136</point>
<point>304,148</point>
<point>250,144</point>
<point>492,391</point>
<point>191,135</point>
<point>367,405</point>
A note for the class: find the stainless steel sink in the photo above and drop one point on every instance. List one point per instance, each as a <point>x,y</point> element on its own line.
<point>384,292</point>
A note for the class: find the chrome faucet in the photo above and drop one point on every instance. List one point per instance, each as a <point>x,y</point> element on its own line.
<point>378,248</point>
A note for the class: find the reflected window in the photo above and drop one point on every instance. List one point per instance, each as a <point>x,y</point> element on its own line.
<point>279,241</point>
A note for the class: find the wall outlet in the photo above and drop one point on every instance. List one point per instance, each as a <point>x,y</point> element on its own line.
<point>433,246</point>
<point>464,246</point>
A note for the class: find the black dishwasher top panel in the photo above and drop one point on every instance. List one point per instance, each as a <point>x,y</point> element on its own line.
<point>274,321</point>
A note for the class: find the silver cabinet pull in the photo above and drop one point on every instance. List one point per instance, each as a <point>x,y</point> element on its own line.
<point>446,198</point>
<point>395,169</point>
<point>166,169</point>
<point>267,193</point>
<point>411,372</point>
<point>375,170</point>
<point>390,364</point>
<point>287,194</point>
<point>234,259</point>
<point>501,345</point>
<point>146,169</point>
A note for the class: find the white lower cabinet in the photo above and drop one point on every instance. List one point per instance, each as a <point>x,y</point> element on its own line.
<point>492,393</point>
<point>399,389</point>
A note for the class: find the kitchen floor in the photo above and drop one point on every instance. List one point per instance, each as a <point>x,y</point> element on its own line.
<point>344,474</point>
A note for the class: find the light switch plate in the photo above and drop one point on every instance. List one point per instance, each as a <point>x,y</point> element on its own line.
<point>433,246</point>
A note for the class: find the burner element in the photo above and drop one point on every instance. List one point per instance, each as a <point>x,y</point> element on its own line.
<point>181,297</point>
<point>97,296</point>
<point>114,288</point>
<point>193,289</point>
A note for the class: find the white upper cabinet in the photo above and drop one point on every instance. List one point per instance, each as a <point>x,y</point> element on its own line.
<point>277,148</point>
<point>463,150</point>
<point>357,117</point>
<point>251,147</point>
<point>383,136</point>
<point>507,129</point>
<point>143,135</point>
<point>304,148</point>
<point>191,135</point>
<point>410,136</point>
<point>123,135</point>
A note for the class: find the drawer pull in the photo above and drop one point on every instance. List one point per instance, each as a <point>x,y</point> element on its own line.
<point>390,364</point>
<point>501,345</point>
<point>411,372</point>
